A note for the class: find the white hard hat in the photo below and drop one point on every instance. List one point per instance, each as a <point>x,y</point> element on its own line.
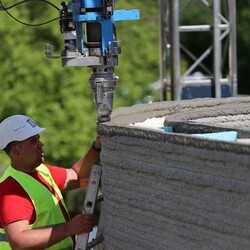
<point>17,128</point>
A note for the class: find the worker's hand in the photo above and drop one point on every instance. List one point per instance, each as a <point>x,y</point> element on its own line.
<point>82,223</point>
<point>98,141</point>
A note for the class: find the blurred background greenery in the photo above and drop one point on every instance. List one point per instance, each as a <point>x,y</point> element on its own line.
<point>60,99</point>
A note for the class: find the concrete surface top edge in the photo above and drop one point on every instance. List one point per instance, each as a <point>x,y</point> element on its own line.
<point>181,115</point>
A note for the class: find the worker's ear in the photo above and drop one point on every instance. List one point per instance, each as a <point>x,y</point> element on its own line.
<point>15,148</point>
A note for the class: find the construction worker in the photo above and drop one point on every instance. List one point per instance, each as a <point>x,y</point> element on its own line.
<point>33,214</point>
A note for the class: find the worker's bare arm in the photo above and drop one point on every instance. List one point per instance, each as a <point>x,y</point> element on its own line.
<point>81,169</point>
<point>21,237</point>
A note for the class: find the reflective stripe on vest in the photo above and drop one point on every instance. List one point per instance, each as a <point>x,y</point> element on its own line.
<point>4,244</point>
<point>46,205</point>
<point>3,237</point>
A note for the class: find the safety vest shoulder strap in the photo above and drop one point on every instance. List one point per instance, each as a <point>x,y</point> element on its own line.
<point>48,211</point>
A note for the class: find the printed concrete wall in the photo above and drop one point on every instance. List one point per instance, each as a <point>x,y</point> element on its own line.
<point>173,190</point>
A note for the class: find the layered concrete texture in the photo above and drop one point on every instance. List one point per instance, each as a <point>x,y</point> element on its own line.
<point>177,190</point>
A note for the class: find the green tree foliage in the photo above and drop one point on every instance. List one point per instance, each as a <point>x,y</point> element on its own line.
<point>60,98</point>
<point>138,62</point>
<point>243,46</point>
<point>57,98</point>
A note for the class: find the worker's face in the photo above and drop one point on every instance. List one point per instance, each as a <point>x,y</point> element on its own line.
<point>31,152</point>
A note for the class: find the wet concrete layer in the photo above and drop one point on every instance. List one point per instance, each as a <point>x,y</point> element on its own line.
<point>173,190</point>
<point>231,117</point>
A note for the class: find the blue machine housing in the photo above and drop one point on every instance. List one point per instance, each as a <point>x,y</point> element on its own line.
<point>96,11</point>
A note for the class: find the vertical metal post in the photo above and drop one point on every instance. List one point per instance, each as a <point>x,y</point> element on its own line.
<point>221,28</point>
<point>162,49</point>
<point>175,50</point>
<point>217,48</point>
<point>233,47</point>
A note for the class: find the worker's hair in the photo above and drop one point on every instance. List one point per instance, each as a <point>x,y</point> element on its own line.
<point>7,148</point>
